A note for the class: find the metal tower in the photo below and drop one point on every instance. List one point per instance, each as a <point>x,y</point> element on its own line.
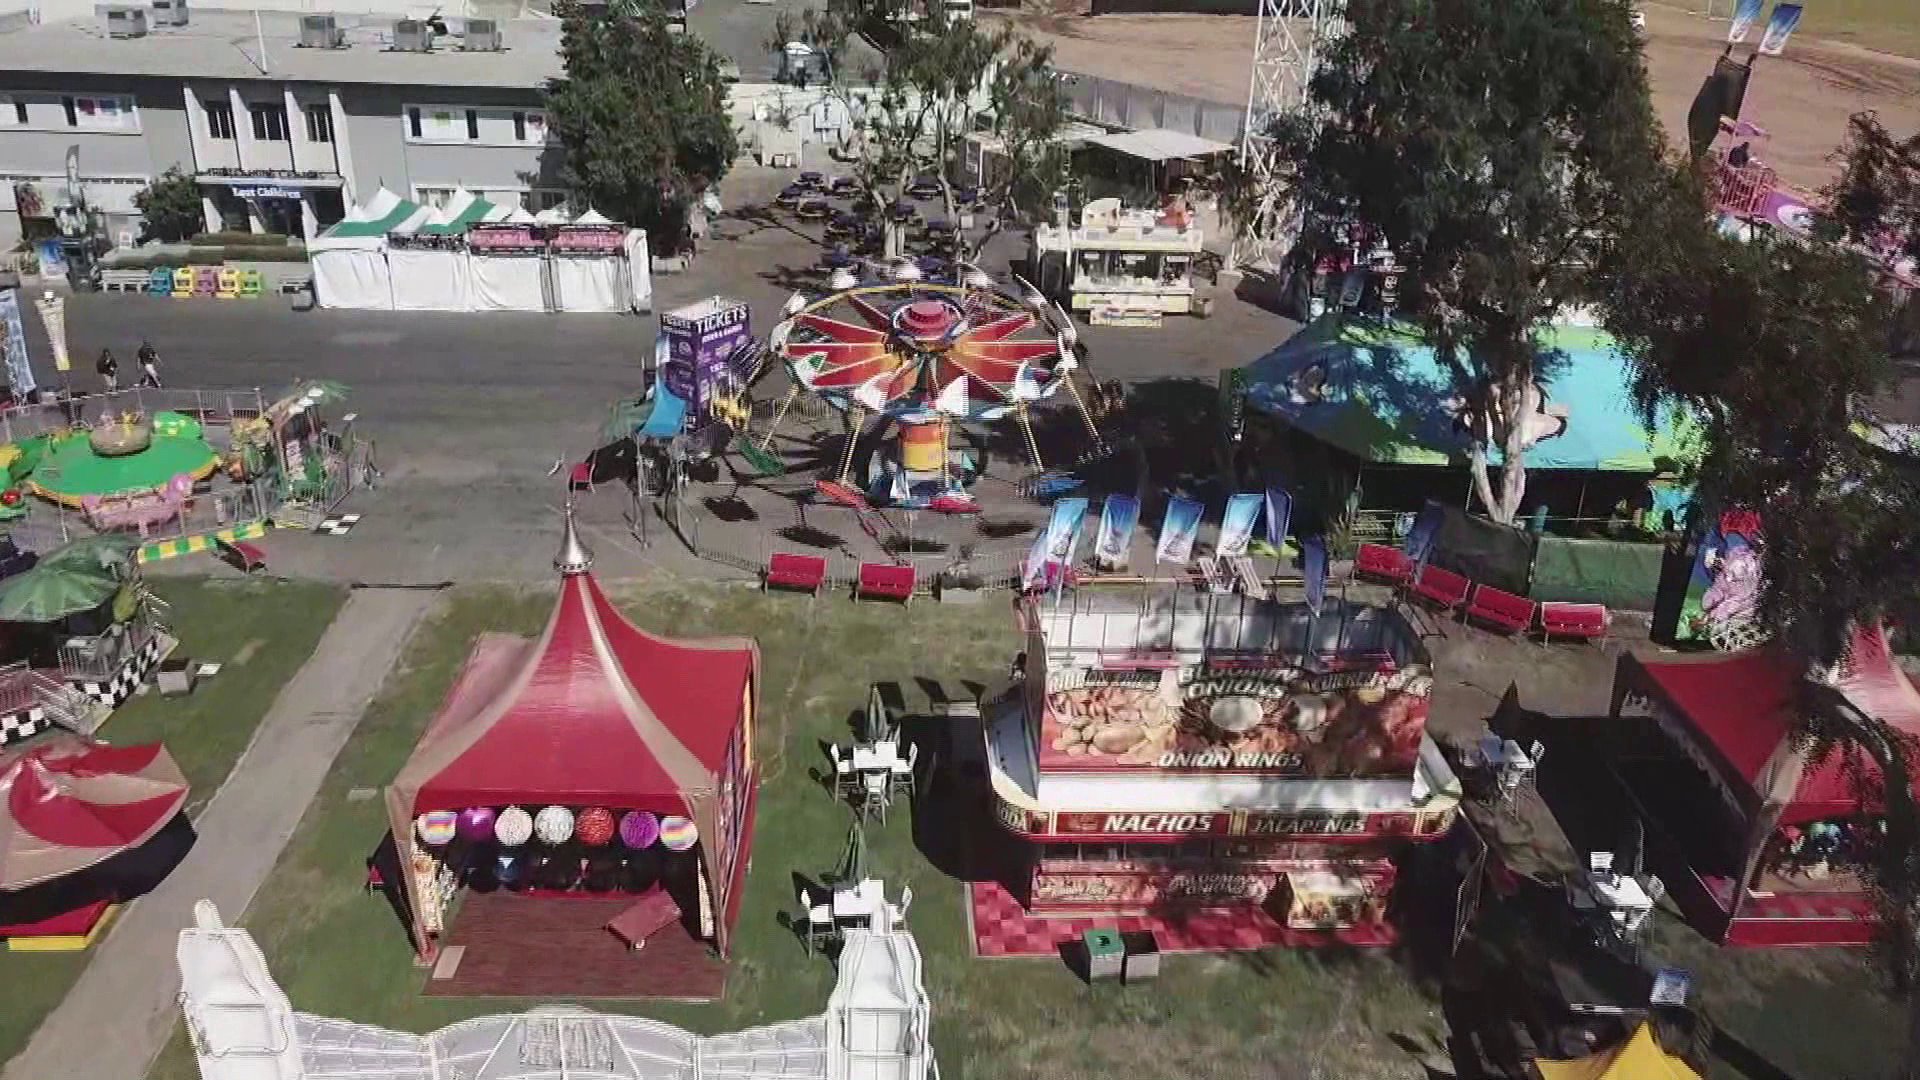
<point>1287,40</point>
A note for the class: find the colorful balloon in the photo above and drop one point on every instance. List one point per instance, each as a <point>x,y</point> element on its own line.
<point>639,829</point>
<point>677,833</point>
<point>594,826</point>
<point>436,827</point>
<point>476,823</point>
<point>553,824</point>
<point>513,827</point>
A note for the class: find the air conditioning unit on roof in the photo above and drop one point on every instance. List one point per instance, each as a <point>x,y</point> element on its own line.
<point>321,32</point>
<point>412,35</point>
<point>169,12</point>
<point>481,35</point>
<point>122,20</point>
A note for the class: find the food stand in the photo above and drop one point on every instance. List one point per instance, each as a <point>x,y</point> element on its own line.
<point>1122,266</point>
<point>1243,756</point>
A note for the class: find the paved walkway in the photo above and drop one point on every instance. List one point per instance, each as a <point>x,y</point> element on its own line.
<point>123,1009</point>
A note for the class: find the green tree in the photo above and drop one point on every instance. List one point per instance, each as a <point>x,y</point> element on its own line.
<point>928,89</point>
<point>1493,144</point>
<point>170,208</point>
<point>640,115</point>
<point>1779,347</point>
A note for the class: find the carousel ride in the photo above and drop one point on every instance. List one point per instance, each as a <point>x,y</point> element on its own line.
<point>919,368</point>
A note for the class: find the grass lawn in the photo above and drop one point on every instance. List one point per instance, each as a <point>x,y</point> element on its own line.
<point>1278,1014</point>
<point>262,631</point>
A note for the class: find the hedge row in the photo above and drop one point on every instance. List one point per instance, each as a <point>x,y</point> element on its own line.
<point>240,239</point>
<point>209,256</point>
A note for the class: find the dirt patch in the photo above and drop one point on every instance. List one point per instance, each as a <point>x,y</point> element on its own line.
<point>1802,98</point>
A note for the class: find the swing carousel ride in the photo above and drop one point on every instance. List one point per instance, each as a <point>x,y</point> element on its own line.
<point>929,363</point>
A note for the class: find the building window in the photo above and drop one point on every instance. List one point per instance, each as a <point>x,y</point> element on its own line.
<point>547,198</point>
<point>99,113</point>
<point>269,122</point>
<point>487,127</point>
<point>319,124</point>
<point>219,119</point>
<point>519,127</point>
<point>19,111</point>
<point>473,125</point>
<point>413,122</point>
<point>436,197</point>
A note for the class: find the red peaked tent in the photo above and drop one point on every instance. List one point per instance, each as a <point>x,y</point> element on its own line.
<point>596,712</point>
<point>1734,713</point>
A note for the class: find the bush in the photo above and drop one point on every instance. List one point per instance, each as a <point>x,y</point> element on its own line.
<point>239,239</point>
<point>206,256</point>
<point>288,254</point>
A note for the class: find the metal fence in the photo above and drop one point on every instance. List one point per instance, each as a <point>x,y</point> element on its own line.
<point>215,409</point>
<point>1126,105</point>
<point>749,550</point>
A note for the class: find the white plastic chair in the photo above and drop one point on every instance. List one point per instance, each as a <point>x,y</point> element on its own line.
<point>843,781</point>
<point>901,777</point>
<point>820,928</point>
<point>900,912</point>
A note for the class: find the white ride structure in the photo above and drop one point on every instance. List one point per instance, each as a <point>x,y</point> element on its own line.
<point>243,1028</point>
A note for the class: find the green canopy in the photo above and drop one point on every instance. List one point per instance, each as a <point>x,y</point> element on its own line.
<point>50,592</point>
<point>103,554</point>
<point>853,863</point>
<point>381,226</point>
<point>475,211</point>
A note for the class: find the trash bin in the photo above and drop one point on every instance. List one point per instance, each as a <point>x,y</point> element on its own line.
<point>1142,956</point>
<point>175,676</point>
<point>1106,953</point>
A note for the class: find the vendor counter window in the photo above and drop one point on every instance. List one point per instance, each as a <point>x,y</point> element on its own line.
<point>1112,268</point>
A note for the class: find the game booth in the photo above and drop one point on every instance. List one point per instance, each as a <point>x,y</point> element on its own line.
<point>1234,776</point>
<point>473,255</point>
<point>589,797</point>
<point>1754,836</point>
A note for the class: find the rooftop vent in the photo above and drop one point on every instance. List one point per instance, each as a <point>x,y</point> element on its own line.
<point>321,32</point>
<point>122,20</point>
<point>169,13</point>
<point>481,35</point>
<point>412,35</point>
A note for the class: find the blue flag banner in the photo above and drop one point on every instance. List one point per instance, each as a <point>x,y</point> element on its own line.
<point>1118,516</point>
<point>1279,516</point>
<point>1177,531</point>
<point>1786,17</point>
<point>1745,14</point>
<point>1055,545</point>
<point>1425,532</point>
<point>19,371</point>
<point>1313,566</point>
<point>1236,525</point>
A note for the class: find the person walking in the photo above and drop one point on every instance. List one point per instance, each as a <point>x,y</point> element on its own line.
<point>109,370</point>
<point>149,365</point>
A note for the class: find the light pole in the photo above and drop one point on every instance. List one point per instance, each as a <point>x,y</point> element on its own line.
<point>53,315</point>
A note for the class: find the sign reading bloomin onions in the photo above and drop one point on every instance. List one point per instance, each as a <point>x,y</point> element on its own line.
<point>1365,723</point>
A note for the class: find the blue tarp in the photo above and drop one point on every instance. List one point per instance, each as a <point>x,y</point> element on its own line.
<point>1380,393</point>
<point>669,413</point>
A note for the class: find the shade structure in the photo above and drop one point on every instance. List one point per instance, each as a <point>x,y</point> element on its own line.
<point>1639,1058</point>
<point>69,803</point>
<point>597,712</point>
<point>46,594</point>
<point>1735,713</point>
<point>1382,394</point>
<point>104,553</point>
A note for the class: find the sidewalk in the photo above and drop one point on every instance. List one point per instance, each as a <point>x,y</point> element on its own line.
<point>123,1009</point>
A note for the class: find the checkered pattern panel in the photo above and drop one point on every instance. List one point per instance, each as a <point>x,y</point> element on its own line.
<point>119,688</point>
<point>1001,927</point>
<point>22,725</point>
<point>339,526</point>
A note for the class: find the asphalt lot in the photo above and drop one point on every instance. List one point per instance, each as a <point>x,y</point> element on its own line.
<point>470,411</point>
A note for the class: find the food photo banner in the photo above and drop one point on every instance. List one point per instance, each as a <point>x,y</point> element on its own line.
<point>1118,516</point>
<point>1178,530</point>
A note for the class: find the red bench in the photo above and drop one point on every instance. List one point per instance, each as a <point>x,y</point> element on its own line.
<point>1500,609</point>
<point>1442,588</point>
<point>886,581</point>
<point>244,556</point>
<point>1587,622</point>
<point>787,570</point>
<point>1379,562</point>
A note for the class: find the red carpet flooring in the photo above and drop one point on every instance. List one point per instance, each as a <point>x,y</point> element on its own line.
<point>559,947</point>
<point>1001,927</point>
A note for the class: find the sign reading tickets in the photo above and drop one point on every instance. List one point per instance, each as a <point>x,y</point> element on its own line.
<point>1349,724</point>
<point>700,340</point>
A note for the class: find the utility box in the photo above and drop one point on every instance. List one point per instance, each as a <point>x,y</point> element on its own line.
<point>169,13</point>
<point>1106,953</point>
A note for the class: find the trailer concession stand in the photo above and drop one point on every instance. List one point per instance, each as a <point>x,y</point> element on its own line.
<point>1241,754</point>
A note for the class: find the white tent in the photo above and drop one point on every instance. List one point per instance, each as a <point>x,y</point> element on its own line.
<point>552,215</point>
<point>519,216</point>
<point>593,217</point>
<point>349,260</point>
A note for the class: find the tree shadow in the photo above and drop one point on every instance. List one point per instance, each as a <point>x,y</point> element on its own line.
<point>730,508</point>
<point>809,536</point>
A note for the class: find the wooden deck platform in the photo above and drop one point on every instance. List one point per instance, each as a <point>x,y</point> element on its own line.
<point>559,947</point>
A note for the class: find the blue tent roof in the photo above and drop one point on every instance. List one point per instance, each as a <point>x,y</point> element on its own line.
<point>1380,393</point>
